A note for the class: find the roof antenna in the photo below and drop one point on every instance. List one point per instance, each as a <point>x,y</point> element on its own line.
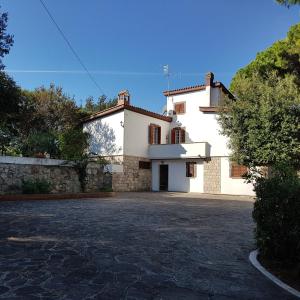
<point>167,74</point>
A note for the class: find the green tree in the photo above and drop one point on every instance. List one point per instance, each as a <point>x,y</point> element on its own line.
<point>73,144</point>
<point>6,40</point>
<point>103,102</point>
<point>288,3</point>
<point>263,123</point>
<point>11,103</point>
<point>53,110</point>
<point>283,57</point>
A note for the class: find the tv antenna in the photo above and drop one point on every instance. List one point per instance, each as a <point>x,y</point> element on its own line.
<point>167,74</point>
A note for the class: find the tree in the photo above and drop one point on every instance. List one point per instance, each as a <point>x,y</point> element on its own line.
<point>103,102</point>
<point>11,103</point>
<point>288,3</point>
<point>6,40</point>
<point>53,110</point>
<point>283,57</point>
<point>263,123</point>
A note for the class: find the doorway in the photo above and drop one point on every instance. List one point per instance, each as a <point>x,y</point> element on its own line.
<point>163,177</point>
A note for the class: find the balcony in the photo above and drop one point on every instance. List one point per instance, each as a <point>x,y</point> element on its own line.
<point>175,151</point>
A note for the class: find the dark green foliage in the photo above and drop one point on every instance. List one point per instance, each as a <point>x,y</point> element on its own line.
<point>277,215</point>
<point>36,186</point>
<point>263,123</point>
<point>73,144</point>
<point>283,57</point>
<point>288,3</point>
<point>103,103</point>
<point>6,40</point>
<point>11,104</point>
<point>43,142</point>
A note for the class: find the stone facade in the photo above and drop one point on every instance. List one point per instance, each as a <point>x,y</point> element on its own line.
<point>212,176</point>
<point>132,178</point>
<point>63,177</point>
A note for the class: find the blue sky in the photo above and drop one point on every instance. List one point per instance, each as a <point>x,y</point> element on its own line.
<point>126,43</point>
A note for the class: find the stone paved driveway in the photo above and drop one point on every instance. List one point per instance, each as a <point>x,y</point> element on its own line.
<point>135,246</point>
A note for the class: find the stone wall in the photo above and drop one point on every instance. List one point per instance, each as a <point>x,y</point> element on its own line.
<point>212,176</point>
<point>132,178</point>
<point>61,175</point>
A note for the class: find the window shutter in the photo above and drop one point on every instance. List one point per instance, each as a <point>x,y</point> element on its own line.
<point>173,136</point>
<point>182,135</point>
<point>187,169</point>
<point>237,171</point>
<point>151,134</point>
<point>182,108</point>
<point>159,135</point>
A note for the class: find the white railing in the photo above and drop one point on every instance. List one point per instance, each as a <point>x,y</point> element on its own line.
<point>175,151</point>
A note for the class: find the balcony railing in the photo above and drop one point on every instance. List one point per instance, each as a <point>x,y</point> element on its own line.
<point>175,151</point>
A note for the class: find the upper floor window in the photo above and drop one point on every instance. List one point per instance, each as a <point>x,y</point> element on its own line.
<point>238,171</point>
<point>154,134</point>
<point>177,135</point>
<point>179,108</point>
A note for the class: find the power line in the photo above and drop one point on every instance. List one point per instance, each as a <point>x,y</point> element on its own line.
<point>70,46</point>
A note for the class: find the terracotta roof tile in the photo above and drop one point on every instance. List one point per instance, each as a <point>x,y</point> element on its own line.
<point>117,108</point>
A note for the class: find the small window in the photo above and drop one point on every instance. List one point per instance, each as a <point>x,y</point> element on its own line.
<point>191,169</point>
<point>154,134</point>
<point>144,165</point>
<point>238,171</point>
<point>179,108</point>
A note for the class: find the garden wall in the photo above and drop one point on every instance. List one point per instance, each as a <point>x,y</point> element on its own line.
<point>61,175</point>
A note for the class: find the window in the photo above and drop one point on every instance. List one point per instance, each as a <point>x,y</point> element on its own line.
<point>154,134</point>
<point>179,108</point>
<point>237,171</point>
<point>177,135</point>
<point>191,169</point>
<point>144,165</point>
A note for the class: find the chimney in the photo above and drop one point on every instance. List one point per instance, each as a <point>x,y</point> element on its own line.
<point>124,98</point>
<point>209,79</point>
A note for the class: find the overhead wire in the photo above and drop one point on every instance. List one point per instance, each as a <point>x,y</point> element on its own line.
<point>71,47</point>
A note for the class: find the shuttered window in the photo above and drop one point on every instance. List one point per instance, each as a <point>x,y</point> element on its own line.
<point>179,108</point>
<point>177,136</point>
<point>191,169</point>
<point>238,171</point>
<point>154,134</point>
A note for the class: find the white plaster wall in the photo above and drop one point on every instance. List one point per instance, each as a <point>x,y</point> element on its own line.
<point>199,126</point>
<point>178,182</point>
<point>233,186</point>
<point>107,134</point>
<point>136,140</point>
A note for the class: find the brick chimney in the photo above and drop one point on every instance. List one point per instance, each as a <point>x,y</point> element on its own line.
<point>124,98</point>
<point>209,79</point>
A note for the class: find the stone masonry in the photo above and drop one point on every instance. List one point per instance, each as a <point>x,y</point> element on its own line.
<point>132,178</point>
<point>63,178</point>
<point>212,176</point>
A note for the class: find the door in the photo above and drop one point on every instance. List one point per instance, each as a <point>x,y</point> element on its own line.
<point>163,177</point>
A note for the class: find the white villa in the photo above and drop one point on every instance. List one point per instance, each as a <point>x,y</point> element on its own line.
<point>180,151</point>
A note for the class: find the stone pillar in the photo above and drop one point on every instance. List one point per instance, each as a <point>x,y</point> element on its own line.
<point>212,176</point>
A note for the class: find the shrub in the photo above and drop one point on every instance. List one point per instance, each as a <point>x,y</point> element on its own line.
<point>41,142</point>
<point>36,186</point>
<point>277,215</point>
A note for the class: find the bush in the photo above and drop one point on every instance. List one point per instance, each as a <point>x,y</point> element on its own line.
<point>277,215</point>
<point>41,142</point>
<point>36,186</point>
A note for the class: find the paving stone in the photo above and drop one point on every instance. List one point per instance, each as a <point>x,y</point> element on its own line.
<point>135,246</point>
